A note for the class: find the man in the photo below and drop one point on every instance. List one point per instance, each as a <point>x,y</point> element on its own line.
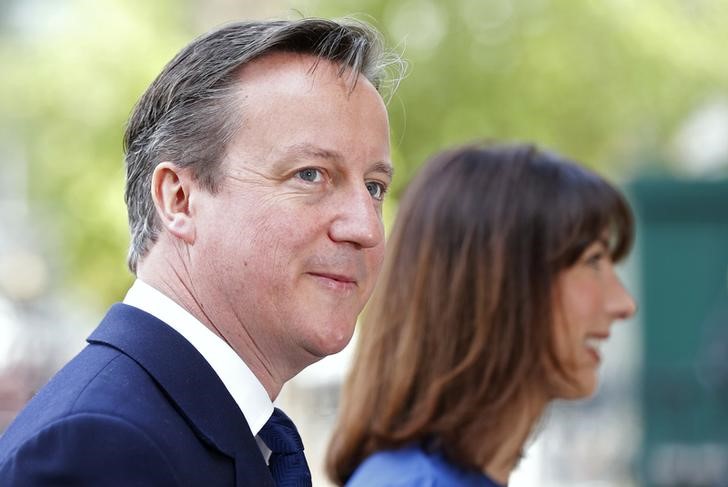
<point>256,166</point>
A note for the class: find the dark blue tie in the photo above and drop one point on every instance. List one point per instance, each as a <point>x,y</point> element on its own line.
<point>287,463</point>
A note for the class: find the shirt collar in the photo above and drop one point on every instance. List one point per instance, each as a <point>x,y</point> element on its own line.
<point>245,388</point>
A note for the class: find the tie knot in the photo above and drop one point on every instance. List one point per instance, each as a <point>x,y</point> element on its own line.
<point>280,434</point>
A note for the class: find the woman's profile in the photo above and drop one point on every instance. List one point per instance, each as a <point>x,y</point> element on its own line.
<point>497,292</point>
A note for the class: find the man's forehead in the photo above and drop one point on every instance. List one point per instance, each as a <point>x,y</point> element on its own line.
<point>290,113</point>
<point>298,68</point>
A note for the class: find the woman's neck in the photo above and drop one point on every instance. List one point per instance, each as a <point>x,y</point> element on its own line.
<point>511,450</point>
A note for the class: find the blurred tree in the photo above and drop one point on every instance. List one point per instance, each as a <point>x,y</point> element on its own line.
<point>605,82</point>
<point>72,70</point>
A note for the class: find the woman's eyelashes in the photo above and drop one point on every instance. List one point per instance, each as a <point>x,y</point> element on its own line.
<point>595,255</point>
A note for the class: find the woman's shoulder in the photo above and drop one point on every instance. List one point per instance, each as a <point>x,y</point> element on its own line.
<point>413,466</point>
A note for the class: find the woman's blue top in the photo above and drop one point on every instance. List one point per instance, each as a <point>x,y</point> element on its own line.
<point>414,467</point>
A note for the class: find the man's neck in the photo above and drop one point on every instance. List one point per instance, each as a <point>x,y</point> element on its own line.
<point>178,285</point>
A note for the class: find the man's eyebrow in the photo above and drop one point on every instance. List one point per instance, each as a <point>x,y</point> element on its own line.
<point>384,167</point>
<point>310,151</point>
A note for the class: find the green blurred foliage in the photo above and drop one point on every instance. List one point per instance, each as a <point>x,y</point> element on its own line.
<point>606,82</point>
<point>603,81</point>
<point>70,77</point>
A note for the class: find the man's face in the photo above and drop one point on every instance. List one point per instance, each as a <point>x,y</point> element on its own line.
<point>290,247</point>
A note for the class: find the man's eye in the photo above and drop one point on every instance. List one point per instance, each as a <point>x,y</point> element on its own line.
<point>377,190</point>
<point>310,174</point>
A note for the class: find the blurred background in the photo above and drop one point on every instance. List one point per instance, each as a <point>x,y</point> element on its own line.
<point>635,89</point>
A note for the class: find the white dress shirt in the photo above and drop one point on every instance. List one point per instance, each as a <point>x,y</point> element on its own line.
<point>245,388</point>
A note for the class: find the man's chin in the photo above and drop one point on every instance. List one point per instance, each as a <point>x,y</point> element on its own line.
<point>330,343</point>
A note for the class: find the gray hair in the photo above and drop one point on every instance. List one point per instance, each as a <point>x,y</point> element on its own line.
<point>187,114</point>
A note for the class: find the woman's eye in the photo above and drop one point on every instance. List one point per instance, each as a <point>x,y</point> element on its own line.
<point>310,175</point>
<point>377,190</point>
<point>595,259</point>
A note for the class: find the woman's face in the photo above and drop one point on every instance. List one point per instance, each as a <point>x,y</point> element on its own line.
<point>588,298</point>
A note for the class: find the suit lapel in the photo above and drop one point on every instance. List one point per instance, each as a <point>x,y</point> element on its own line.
<point>190,382</point>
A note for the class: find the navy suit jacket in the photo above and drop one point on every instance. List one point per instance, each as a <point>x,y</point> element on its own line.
<point>138,406</point>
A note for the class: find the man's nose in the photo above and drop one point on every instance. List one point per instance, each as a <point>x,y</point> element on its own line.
<point>358,219</point>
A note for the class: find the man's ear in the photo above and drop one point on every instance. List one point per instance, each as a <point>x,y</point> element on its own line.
<point>171,187</point>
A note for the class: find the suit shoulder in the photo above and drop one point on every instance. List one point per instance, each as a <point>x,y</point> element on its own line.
<point>98,380</point>
<point>87,449</point>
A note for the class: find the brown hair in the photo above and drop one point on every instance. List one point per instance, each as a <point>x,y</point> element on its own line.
<point>460,325</point>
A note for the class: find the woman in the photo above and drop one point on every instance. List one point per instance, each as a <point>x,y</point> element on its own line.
<point>496,294</point>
